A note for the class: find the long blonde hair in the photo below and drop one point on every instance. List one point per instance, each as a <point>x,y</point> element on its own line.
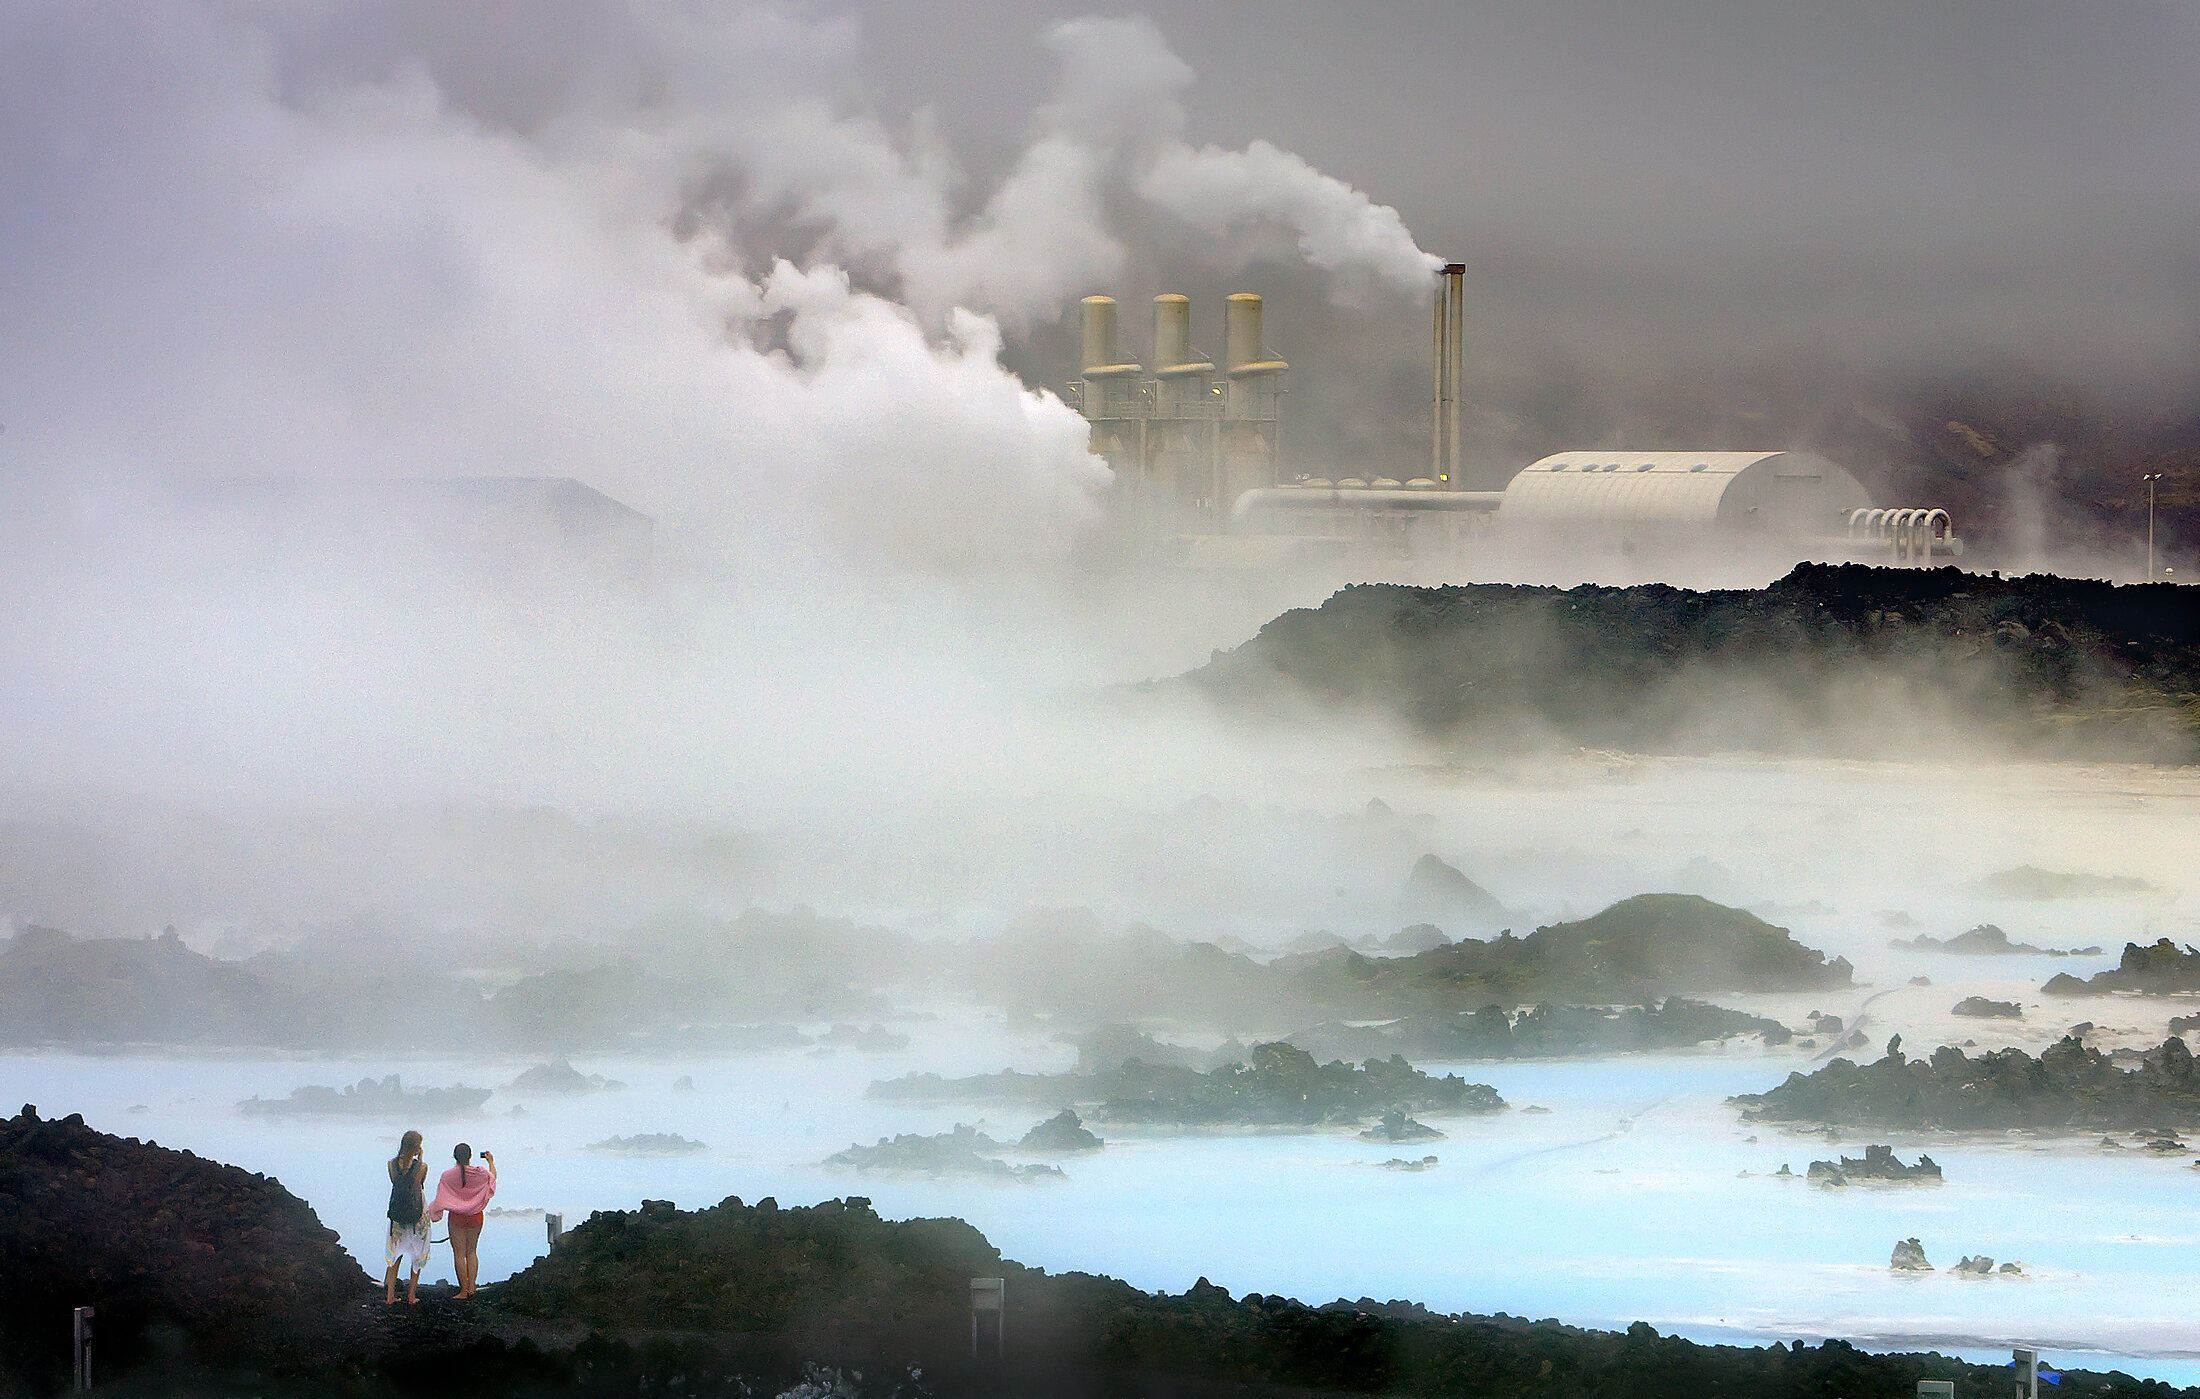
<point>408,1149</point>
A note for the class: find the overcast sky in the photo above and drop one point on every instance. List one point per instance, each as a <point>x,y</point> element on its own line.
<point>1907,175</point>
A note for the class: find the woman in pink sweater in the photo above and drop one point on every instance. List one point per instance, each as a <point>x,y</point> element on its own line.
<point>464,1193</point>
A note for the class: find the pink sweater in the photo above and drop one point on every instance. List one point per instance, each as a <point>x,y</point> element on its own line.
<point>470,1198</point>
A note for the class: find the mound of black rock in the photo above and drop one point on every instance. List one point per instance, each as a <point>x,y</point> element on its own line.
<point>371,1097</point>
<point>1878,1163</point>
<point>559,1076</point>
<point>2068,1087</point>
<point>180,1258</point>
<point>2052,664</point>
<point>650,1144</point>
<point>961,1152</point>
<point>1985,940</point>
<point>1397,1127</point>
<point>1280,1085</point>
<point>1065,1131</point>
<point>1543,1031</point>
<point>2161,969</point>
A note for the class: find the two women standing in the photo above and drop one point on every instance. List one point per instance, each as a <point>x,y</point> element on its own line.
<point>463,1193</point>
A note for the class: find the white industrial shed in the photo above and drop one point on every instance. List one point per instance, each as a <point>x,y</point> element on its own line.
<point>1791,494</point>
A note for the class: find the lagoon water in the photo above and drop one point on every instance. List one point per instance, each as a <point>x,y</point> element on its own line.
<point>1639,1194</point>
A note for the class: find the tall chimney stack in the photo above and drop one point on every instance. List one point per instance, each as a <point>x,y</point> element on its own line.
<point>1450,348</point>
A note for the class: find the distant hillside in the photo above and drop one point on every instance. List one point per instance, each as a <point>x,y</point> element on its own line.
<point>1830,659</point>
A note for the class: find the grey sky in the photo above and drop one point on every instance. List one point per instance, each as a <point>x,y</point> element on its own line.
<point>1910,176</point>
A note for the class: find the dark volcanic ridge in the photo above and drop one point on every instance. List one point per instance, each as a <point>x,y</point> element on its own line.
<point>1831,659</point>
<point>211,1281</point>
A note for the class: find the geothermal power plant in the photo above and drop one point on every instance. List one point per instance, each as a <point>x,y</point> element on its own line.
<point>1200,477</point>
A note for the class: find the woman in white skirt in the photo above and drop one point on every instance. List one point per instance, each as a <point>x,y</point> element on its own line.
<point>408,1219</point>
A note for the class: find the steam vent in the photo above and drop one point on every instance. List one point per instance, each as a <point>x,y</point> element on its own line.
<point>1184,438</point>
<point>1200,477</point>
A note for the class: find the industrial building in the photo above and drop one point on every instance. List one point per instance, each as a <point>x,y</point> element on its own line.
<point>1199,473</point>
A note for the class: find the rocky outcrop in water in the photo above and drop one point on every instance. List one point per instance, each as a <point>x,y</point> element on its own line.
<point>1280,1085</point>
<point>1396,1127</point>
<point>1877,1163</point>
<point>371,1097</point>
<point>1985,940</point>
<point>2031,882</point>
<point>2068,1087</point>
<point>650,1144</point>
<point>59,989</point>
<point>1978,1007</point>
<point>1107,1047</point>
<point>961,1152</point>
<point>559,1076</point>
<point>868,1039</point>
<point>1909,1257</point>
<point>2162,969</point>
<point>1065,1131</point>
<point>1641,949</point>
<point>1544,1031</point>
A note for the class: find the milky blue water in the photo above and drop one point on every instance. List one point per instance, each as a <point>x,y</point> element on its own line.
<point>1637,1195</point>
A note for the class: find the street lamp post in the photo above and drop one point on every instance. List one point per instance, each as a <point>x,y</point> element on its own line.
<point>2150,478</point>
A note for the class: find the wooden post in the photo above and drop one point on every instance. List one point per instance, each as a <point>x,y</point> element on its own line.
<point>989,1295</point>
<point>80,1346</point>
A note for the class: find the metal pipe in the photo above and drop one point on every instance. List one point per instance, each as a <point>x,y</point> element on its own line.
<point>1455,279</point>
<point>1438,349</point>
<point>1358,498</point>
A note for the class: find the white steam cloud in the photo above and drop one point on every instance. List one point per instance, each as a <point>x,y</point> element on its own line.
<point>660,249</point>
<point>669,260</point>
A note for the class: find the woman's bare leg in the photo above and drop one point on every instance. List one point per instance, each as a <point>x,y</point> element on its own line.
<point>389,1285</point>
<point>467,1262</point>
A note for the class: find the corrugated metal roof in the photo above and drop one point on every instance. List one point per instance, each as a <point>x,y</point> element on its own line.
<point>1610,487</point>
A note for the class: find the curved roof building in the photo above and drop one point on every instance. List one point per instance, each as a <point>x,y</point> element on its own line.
<point>1788,493</point>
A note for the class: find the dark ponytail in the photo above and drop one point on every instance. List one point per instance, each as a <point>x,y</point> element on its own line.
<point>462,1153</point>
